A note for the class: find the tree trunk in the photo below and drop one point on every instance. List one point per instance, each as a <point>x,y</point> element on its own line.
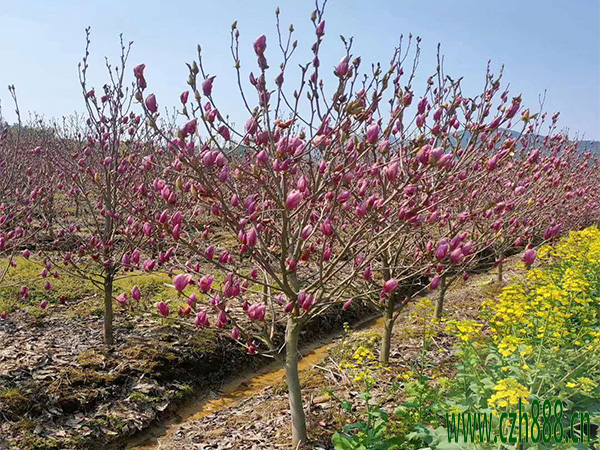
<point>292,336</point>
<point>386,337</point>
<point>108,311</point>
<point>439,304</point>
<point>500,270</point>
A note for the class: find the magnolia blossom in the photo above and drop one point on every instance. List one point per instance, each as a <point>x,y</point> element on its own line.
<point>163,309</point>
<point>529,256</point>
<point>181,281</point>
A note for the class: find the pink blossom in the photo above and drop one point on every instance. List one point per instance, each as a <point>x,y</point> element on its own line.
<point>327,227</point>
<point>260,44</point>
<point>306,232</point>
<point>390,286</point>
<point>122,299</point>
<point>342,69</point>
<point>435,282</point>
<point>181,281</point>
<point>372,133</point>
<point>293,199</point>
<point>207,86</point>
<point>151,103</point>
<point>209,253</point>
<point>320,30</point>
<point>136,293</point>
<point>205,283</point>
<point>529,256</point>
<point>201,320</point>
<point>163,309</point>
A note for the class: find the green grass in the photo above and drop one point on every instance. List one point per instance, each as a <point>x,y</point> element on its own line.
<point>154,287</point>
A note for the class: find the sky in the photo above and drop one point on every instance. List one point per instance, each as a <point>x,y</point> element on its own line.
<point>545,45</point>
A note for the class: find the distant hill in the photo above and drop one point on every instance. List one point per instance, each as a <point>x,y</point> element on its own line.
<point>593,146</point>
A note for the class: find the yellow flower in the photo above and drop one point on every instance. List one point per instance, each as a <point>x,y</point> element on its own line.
<point>508,392</point>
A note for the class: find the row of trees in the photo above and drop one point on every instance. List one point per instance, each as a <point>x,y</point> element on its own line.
<point>353,185</point>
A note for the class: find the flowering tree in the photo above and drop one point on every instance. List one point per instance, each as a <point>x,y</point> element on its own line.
<point>20,191</point>
<point>291,194</point>
<point>437,155</point>
<point>96,170</point>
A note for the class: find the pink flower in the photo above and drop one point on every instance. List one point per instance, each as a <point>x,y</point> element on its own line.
<point>184,97</point>
<point>306,232</point>
<point>3,315</point>
<point>251,237</point>
<point>138,71</point>
<point>320,30</point>
<point>151,103</point>
<point>163,309</point>
<point>222,319</point>
<point>207,86</point>
<point>260,45</point>
<point>422,105</point>
<point>205,283</point>
<point>181,281</point>
<point>529,256</point>
<point>257,312</point>
<point>435,282</point>
<point>492,163</point>
<point>43,304</point>
<point>251,125</point>
<point>390,286</point>
<point>342,69</point>
<point>224,131</point>
<point>177,232</point>
<point>327,227</point>
<point>24,292</point>
<point>192,300</point>
<point>122,299</point>
<point>202,320</point>
<point>372,133</point>
<point>136,293</point>
<point>262,157</point>
<point>456,256</point>
<point>392,171</point>
<point>347,304</point>
<point>441,252</point>
<point>209,253</point>
<point>310,300</point>
<point>26,254</point>
<point>135,256</point>
<point>293,199</point>
<point>147,228</point>
<point>235,333</point>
